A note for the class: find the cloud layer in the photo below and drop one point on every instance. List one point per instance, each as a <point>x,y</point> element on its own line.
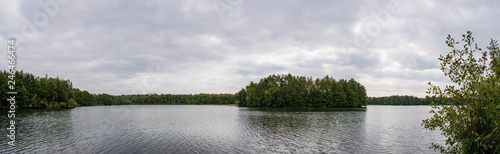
<point>219,46</point>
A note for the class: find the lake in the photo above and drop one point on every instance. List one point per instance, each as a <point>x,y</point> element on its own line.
<point>221,129</point>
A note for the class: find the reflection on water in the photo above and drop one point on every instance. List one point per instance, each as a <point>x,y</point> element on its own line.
<point>302,130</point>
<point>221,129</point>
<point>397,129</point>
<point>38,128</point>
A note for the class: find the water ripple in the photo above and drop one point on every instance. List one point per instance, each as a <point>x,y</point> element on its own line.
<point>221,129</point>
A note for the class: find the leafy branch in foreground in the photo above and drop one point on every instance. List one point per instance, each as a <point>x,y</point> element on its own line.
<point>474,127</point>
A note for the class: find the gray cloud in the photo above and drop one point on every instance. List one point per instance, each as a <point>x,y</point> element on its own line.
<point>124,47</point>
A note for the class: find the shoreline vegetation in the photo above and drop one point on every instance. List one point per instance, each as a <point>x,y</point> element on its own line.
<point>475,127</point>
<point>54,93</point>
<point>404,100</point>
<point>35,92</point>
<point>300,91</point>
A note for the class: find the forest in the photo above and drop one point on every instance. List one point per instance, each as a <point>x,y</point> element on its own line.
<point>52,93</point>
<point>301,91</point>
<point>407,100</point>
<point>398,100</point>
<point>273,91</point>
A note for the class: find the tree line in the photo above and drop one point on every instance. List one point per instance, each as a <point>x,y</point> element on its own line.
<point>301,91</point>
<point>37,92</point>
<point>52,93</point>
<point>405,100</point>
<point>179,99</point>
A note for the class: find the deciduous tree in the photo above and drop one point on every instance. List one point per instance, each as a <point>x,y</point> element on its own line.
<point>474,127</point>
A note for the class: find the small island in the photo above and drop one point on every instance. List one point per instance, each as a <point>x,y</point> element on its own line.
<point>300,91</point>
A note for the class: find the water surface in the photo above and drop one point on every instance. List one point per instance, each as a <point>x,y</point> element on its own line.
<point>221,129</point>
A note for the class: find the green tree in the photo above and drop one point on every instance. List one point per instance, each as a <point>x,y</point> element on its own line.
<point>291,91</point>
<point>397,100</point>
<point>241,97</point>
<point>494,51</point>
<point>471,128</point>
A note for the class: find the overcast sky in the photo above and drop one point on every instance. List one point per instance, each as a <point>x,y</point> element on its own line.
<point>219,46</point>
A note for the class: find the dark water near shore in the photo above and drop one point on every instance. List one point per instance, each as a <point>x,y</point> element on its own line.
<point>220,129</point>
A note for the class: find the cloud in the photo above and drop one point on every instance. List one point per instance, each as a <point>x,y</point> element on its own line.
<point>125,47</point>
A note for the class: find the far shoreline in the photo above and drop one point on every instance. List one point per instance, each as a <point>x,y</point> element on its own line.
<point>270,107</point>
